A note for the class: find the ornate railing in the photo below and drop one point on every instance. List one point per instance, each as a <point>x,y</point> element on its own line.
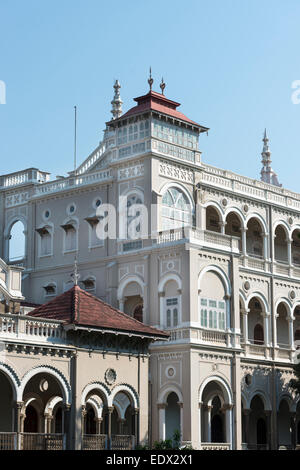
<point>205,237</point>
<point>33,329</point>
<point>36,441</point>
<point>215,446</point>
<point>200,335</point>
<point>72,182</point>
<point>8,441</point>
<point>122,442</point>
<point>94,442</point>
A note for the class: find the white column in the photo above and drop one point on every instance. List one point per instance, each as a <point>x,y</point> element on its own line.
<point>162,421</point>
<point>275,329</point>
<point>228,420</point>
<point>180,404</point>
<point>244,241</point>
<point>121,304</point>
<point>289,252</point>
<point>162,320</point>
<point>266,317</point>
<point>290,320</point>
<point>245,325</point>
<point>222,225</point>
<point>207,423</point>
<point>265,244</point>
<point>199,422</point>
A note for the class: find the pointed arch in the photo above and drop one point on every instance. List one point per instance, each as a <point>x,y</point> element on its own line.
<point>165,392</point>
<point>261,297</point>
<point>218,271</point>
<point>127,389</point>
<point>224,385</point>
<point>127,280</point>
<point>64,385</point>
<point>97,386</point>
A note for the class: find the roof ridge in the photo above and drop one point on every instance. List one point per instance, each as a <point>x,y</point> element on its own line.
<point>52,300</point>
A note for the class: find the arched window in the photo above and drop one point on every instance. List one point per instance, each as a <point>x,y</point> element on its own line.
<point>132,214</point>
<point>172,304</point>
<point>176,209</point>
<point>17,242</point>
<point>213,306</point>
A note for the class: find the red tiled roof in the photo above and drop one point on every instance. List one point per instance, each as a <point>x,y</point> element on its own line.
<point>76,306</point>
<point>157,102</point>
<point>28,304</point>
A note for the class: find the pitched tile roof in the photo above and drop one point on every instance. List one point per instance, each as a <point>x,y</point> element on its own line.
<point>158,102</point>
<point>76,306</point>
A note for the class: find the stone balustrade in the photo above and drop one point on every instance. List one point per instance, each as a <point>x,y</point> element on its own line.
<point>24,327</point>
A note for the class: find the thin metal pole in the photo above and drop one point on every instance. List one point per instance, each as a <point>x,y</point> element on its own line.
<point>75,138</point>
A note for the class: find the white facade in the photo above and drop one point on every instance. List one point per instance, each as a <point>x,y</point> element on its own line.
<point>227,287</point>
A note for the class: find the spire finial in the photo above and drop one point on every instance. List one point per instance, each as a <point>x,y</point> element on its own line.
<point>75,275</point>
<point>117,102</point>
<point>162,85</point>
<point>268,175</point>
<point>150,80</point>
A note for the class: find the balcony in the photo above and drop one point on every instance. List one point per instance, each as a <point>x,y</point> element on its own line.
<point>204,238</point>
<point>40,441</point>
<point>214,446</point>
<point>34,330</point>
<point>94,442</point>
<point>31,441</point>
<point>200,336</point>
<point>64,184</point>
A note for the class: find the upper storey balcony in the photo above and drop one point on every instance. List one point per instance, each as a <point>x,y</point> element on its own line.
<point>22,178</point>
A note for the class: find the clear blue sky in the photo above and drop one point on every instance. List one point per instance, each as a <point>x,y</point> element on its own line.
<point>230,63</point>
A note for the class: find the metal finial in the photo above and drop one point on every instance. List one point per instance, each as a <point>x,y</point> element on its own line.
<point>116,102</point>
<point>162,86</point>
<point>75,276</point>
<point>150,80</point>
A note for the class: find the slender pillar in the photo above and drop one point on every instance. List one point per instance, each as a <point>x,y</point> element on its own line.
<point>290,320</point>
<point>266,317</point>
<point>228,421</point>
<point>199,421</point>
<point>110,411</point>
<point>98,425</point>
<point>162,421</point>
<point>121,304</point>
<point>265,245</point>
<point>276,315</point>
<point>244,241</point>
<point>289,252</point>
<point>207,422</point>
<point>222,226</point>
<point>181,420</point>
<point>245,325</point>
<point>136,427</point>
<point>83,416</point>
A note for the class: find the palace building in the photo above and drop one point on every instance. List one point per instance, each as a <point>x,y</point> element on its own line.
<point>190,325</point>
